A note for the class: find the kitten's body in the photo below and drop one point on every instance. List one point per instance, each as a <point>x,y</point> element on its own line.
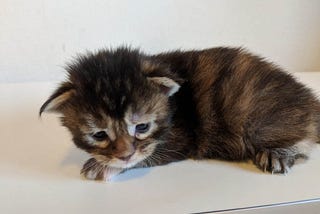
<point>230,105</point>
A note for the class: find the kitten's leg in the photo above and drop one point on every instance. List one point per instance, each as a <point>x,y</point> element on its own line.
<point>280,160</point>
<point>94,170</point>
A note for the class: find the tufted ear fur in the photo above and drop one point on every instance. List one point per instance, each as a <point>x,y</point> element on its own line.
<point>58,98</point>
<point>167,85</point>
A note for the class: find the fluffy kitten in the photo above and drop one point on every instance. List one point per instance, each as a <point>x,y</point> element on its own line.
<point>128,109</point>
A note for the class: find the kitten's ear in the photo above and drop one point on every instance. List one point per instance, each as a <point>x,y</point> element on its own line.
<point>59,97</point>
<point>167,85</point>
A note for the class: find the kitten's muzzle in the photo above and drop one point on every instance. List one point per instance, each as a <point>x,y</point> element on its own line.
<point>124,148</point>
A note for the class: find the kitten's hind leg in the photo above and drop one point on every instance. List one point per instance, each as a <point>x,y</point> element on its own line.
<point>280,160</point>
<point>275,160</point>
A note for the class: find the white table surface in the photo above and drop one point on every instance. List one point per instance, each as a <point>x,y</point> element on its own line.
<point>39,171</point>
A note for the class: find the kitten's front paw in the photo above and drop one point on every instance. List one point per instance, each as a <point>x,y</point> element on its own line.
<point>93,170</point>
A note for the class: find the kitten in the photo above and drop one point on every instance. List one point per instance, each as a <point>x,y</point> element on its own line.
<point>128,109</point>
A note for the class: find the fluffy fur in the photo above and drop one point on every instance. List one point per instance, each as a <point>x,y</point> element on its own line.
<point>220,103</point>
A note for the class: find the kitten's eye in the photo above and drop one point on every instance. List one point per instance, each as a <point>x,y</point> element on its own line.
<point>142,128</point>
<point>100,136</point>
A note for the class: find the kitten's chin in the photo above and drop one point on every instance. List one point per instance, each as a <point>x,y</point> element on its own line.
<point>117,163</point>
<point>125,164</point>
<point>122,164</point>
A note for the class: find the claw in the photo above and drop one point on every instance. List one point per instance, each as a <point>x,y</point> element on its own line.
<point>274,161</point>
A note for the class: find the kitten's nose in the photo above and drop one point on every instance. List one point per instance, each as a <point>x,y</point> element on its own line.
<point>126,158</point>
<point>124,148</point>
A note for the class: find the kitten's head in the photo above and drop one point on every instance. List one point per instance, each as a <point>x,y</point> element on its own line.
<point>116,105</point>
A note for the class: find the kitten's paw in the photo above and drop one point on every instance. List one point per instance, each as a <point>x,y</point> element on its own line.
<point>276,160</point>
<point>93,170</point>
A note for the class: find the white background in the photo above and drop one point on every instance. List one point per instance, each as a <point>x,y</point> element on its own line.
<point>37,37</point>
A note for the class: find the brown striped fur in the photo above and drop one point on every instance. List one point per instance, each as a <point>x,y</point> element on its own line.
<point>230,105</point>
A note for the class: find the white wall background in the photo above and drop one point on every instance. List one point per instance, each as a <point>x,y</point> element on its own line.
<point>38,36</point>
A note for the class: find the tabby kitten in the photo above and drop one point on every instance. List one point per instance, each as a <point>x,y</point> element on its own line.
<point>128,109</point>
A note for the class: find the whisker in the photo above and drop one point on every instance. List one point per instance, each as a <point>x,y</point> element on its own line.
<point>171,151</point>
<point>88,165</point>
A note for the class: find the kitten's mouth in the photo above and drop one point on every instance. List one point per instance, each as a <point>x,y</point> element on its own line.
<point>130,162</point>
<point>125,162</point>
<point>116,162</point>
<point>127,158</point>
